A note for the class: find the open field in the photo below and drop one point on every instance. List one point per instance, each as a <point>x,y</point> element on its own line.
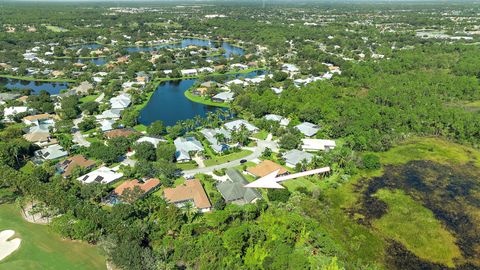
<point>43,249</point>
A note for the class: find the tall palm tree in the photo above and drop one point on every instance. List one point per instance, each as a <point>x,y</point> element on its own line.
<point>190,211</point>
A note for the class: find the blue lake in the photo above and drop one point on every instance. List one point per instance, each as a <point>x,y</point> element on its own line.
<point>229,49</point>
<point>170,105</point>
<point>53,88</point>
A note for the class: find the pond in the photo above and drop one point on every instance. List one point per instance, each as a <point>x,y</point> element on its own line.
<point>229,49</point>
<point>41,248</point>
<point>170,105</point>
<point>53,88</point>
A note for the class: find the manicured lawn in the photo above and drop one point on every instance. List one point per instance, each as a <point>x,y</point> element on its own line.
<point>187,166</point>
<point>416,227</point>
<point>262,135</point>
<point>310,183</point>
<point>203,100</point>
<point>140,128</point>
<point>43,249</point>
<point>226,158</point>
<point>89,98</point>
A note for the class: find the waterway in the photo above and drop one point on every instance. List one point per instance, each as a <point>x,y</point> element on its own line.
<point>53,88</point>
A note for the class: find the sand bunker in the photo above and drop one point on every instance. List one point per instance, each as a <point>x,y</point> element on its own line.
<point>7,246</point>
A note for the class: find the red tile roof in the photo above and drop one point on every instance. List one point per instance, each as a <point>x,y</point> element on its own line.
<point>191,190</point>
<point>145,186</point>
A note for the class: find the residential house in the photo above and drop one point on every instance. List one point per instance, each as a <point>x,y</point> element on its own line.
<point>308,129</point>
<point>277,118</point>
<point>152,140</point>
<point>238,66</point>
<point>237,124</point>
<point>110,114</point>
<point>83,89</point>
<point>233,190</point>
<point>185,146</point>
<point>145,187</point>
<point>294,157</point>
<point>51,152</point>
<point>8,96</point>
<point>38,119</point>
<point>189,72</point>
<point>211,136</point>
<point>265,168</point>
<point>67,166</point>
<point>318,145</point>
<point>223,97</point>
<point>101,175</point>
<point>277,90</point>
<point>190,192</point>
<point>200,91</point>
<point>120,132</point>
<point>106,124</point>
<point>10,112</point>
<point>121,101</point>
<point>290,68</point>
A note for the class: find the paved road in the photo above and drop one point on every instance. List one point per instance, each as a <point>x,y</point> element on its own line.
<point>77,136</point>
<point>257,152</point>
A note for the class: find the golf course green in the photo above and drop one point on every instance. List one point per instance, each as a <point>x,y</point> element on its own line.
<point>43,249</point>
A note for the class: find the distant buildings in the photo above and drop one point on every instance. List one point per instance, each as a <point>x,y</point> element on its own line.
<point>317,145</point>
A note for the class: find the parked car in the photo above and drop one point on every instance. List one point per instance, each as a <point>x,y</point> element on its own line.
<point>243,161</point>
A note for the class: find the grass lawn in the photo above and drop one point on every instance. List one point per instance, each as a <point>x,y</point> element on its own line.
<point>89,98</point>
<point>30,78</point>
<point>310,183</point>
<point>43,249</point>
<point>56,28</point>
<point>187,166</point>
<point>203,100</point>
<point>262,135</point>
<point>416,227</point>
<point>226,158</point>
<point>140,128</point>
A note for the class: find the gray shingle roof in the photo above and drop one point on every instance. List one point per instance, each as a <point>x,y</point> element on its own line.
<point>234,189</point>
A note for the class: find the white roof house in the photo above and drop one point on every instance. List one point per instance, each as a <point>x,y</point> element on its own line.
<point>223,97</point>
<point>317,145</point>
<point>10,112</point>
<point>188,72</point>
<point>152,140</point>
<point>101,175</point>
<point>277,90</point>
<point>210,135</point>
<point>277,118</point>
<point>290,68</point>
<point>294,157</point>
<point>237,82</point>
<point>308,129</point>
<point>121,101</point>
<point>110,114</point>
<point>186,145</point>
<point>236,124</point>
<point>51,152</point>
<point>106,124</point>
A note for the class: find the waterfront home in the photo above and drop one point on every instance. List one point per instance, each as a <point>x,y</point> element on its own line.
<point>317,145</point>
<point>51,152</point>
<point>190,192</point>
<point>266,167</point>
<point>8,96</point>
<point>200,91</point>
<point>206,70</point>
<point>238,66</point>
<point>223,97</point>
<point>152,140</point>
<point>110,114</point>
<point>237,124</point>
<point>121,101</point>
<point>101,175</point>
<point>290,68</point>
<point>67,166</point>
<point>185,146</point>
<point>277,118</point>
<point>38,119</point>
<point>83,89</point>
<point>189,72</point>
<point>233,190</point>
<point>106,124</point>
<point>212,135</point>
<point>308,129</point>
<point>294,157</point>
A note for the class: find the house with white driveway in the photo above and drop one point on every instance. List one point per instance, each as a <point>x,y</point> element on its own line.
<point>185,146</point>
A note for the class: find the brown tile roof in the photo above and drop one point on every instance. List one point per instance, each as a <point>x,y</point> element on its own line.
<point>121,132</point>
<point>37,117</point>
<point>191,190</point>
<point>265,167</point>
<point>37,137</point>
<point>145,186</point>
<point>78,160</point>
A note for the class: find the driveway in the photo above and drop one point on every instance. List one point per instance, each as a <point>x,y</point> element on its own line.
<point>257,152</point>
